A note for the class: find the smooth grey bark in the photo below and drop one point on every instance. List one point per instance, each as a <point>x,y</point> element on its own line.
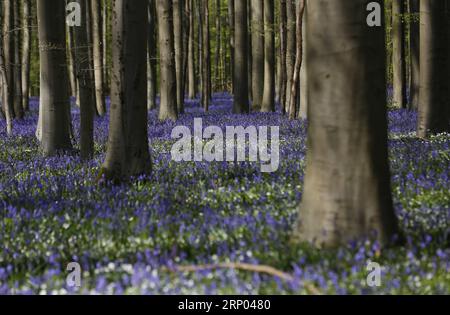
<point>178,43</point>
<point>240,76</point>
<point>26,52</point>
<point>168,82</point>
<point>85,84</point>
<point>347,191</point>
<point>54,124</point>
<point>303,114</point>
<point>231,22</point>
<point>283,44</point>
<point>17,60</point>
<point>290,49</point>
<point>192,83</point>
<point>128,148</point>
<point>8,53</point>
<point>152,56</point>
<point>206,86</point>
<point>4,89</point>
<point>258,62</point>
<point>434,96</point>
<point>268,102</point>
<point>399,53</point>
<point>414,82</point>
<point>97,55</point>
<point>71,64</point>
<point>294,98</point>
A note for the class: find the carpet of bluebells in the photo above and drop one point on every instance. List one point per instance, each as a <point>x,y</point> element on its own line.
<point>128,238</point>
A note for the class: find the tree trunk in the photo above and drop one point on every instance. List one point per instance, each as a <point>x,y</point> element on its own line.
<point>152,56</point>
<point>8,51</point>
<point>54,124</point>
<point>283,44</point>
<point>398,53</point>
<point>294,101</point>
<point>231,21</point>
<point>304,70</point>
<point>192,82</point>
<point>4,89</point>
<point>17,68</point>
<point>434,58</point>
<point>128,150</point>
<point>258,61</point>
<point>168,82</point>
<point>414,82</point>
<point>290,49</point>
<point>85,84</point>
<point>218,47</point>
<point>97,43</point>
<point>240,79</point>
<point>71,66</point>
<point>26,53</point>
<point>268,103</point>
<point>206,88</point>
<point>178,42</point>
<point>347,191</point>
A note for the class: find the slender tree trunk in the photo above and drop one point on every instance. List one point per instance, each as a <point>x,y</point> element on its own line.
<point>71,66</point>
<point>105,32</point>
<point>152,56</point>
<point>206,88</point>
<point>26,52</point>
<point>168,82</point>
<point>217,73</point>
<point>178,42</point>
<point>200,48</point>
<point>283,44</point>
<point>8,44</point>
<point>347,191</point>
<point>54,125</point>
<point>414,55</point>
<point>303,114</point>
<point>398,53</point>
<point>268,103</point>
<point>258,62</point>
<point>290,49</point>
<point>434,59</point>
<point>294,100</point>
<point>85,84</point>
<point>97,43</point>
<point>128,149</point>
<point>192,90</point>
<point>17,68</point>
<point>5,89</point>
<point>241,102</point>
<point>231,21</point>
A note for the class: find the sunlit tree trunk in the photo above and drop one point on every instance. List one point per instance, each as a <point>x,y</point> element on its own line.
<point>97,42</point>
<point>26,52</point>
<point>257,28</point>
<point>17,60</point>
<point>54,124</point>
<point>241,102</point>
<point>414,82</point>
<point>206,86</point>
<point>128,151</point>
<point>304,70</point>
<point>434,58</point>
<point>347,191</point>
<point>5,89</point>
<point>192,82</point>
<point>268,102</point>
<point>290,49</point>
<point>168,82</point>
<point>283,44</point>
<point>398,53</point>
<point>152,55</point>
<point>178,43</point>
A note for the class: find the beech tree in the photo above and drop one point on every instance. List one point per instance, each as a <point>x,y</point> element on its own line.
<point>347,191</point>
<point>240,75</point>
<point>398,53</point>
<point>128,149</point>
<point>258,36</point>
<point>268,102</point>
<point>54,124</point>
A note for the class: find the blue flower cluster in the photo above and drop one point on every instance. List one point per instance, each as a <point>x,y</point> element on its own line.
<point>129,238</point>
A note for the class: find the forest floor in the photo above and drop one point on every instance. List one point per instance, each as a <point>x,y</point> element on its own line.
<point>128,239</point>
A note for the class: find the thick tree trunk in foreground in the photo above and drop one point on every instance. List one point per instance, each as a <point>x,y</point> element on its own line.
<point>26,53</point>
<point>347,185</point>
<point>257,27</point>
<point>268,102</point>
<point>398,53</point>
<point>414,82</point>
<point>85,85</point>
<point>128,151</point>
<point>97,42</point>
<point>240,79</point>
<point>54,125</point>
<point>434,100</point>
<point>168,83</point>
